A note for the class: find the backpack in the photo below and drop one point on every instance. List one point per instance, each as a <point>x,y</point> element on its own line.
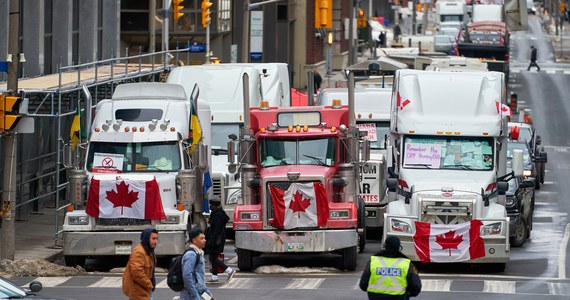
<point>175,279</point>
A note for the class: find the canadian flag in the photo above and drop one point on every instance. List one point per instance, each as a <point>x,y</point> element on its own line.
<point>449,243</point>
<point>114,197</point>
<point>503,110</point>
<point>401,104</point>
<point>301,205</point>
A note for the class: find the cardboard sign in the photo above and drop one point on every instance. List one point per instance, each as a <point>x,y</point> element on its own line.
<point>422,154</point>
<point>370,128</point>
<point>108,161</point>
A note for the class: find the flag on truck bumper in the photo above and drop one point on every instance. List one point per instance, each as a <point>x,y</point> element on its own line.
<point>449,243</point>
<point>302,205</point>
<point>124,198</point>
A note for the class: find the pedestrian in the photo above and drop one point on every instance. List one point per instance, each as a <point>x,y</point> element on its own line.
<point>382,39</point>
<point>318,80</point>
<point>390,274</point>
<point>533,55</point>
<point>397,31</point>
<point>216,238</point>
<point>138,279</point>
<point>193,269</point>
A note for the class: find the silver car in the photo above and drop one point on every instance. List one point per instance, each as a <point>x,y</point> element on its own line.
<point>443,43</point>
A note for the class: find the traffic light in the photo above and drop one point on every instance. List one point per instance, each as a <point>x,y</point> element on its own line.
<point>8,104</point>
<point>206,13</point>
<point>323,14</point>
<point>177,9</point>
<point>361,21</point>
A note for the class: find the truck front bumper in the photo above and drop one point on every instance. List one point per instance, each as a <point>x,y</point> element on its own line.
<point>296,241</point>
<point>119,243</point>
<point>375,216</point>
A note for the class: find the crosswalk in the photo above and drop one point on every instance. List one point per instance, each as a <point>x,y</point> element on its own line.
<point>526,286</point>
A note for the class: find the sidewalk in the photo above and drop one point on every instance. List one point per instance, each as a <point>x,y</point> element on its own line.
<point>561,42</point>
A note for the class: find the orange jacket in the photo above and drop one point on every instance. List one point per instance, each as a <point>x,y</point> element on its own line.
<point>137,282</point>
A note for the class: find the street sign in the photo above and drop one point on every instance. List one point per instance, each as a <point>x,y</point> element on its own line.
<point>4,66</point>
<point>196,48</point>
<point>255,56</point>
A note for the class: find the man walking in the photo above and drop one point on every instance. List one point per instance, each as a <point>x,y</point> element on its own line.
<point>216,238</point>
<point>533,55</point>
<point>397,31</point>
<point>390,274</point>
<point>138,279</point>
<point>193,268</point>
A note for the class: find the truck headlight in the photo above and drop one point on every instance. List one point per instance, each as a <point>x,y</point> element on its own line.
<point>527,173</point>
<point>78,220</point>
<point>171,219</point>
<point>491,229</point>
<point>338,214</point>
<point>510,201</point>
<point>234,198</point>
<point>249,216</point>
<point>400,226</point>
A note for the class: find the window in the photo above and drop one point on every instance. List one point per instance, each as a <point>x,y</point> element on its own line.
<point>220,134</point>
<point>277,152</point>
<point>133,157</point>
<point>377,132</point>
<point>224,20</point>
<point>138,115</point>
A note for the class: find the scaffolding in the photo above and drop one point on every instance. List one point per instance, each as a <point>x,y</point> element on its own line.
<point>52,101</point>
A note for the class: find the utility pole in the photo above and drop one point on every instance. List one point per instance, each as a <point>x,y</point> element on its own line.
<point>414,16</point>
<point>152,26</point>
<point>351,60</point>
<point>245,33</point>
<point>165,28</point>
<point>9,141</point>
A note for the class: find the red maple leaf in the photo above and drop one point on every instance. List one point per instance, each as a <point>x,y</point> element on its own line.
<point>298,204</point>
<point>449,240</point>
<point>122,197</point>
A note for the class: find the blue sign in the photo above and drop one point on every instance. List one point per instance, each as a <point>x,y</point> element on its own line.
<point>255,56</point>
<point>195,48</point>
<point>4,66</point>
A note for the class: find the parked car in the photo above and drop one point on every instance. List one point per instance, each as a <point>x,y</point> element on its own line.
<point>443,43</point>
<point>526,132</point>
<point>529,163</point>
<point>10,290</point>
<point>520,209</point>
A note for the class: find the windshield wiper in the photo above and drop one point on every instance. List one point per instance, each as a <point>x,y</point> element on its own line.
<point>418,165</point>
<point>320,161</point>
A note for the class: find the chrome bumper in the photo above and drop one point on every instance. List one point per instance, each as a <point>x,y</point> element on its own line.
<point>117,243</point>
<point>375,216</point>
<point>296,241</point>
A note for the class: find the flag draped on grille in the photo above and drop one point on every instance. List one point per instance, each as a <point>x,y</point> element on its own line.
<point>301,205</point>
<point>125,198</point>
<point>449,243</point>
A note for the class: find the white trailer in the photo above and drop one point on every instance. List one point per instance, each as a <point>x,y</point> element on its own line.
<point>447,161</point>
<point>487,12</point>
<point>451,13</point>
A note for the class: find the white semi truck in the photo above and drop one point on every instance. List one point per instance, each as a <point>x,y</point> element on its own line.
<point>447,162</point>
<point>451,13</point>
<point>372,108</point>
<point>136,172</point>
<point>221,86</point>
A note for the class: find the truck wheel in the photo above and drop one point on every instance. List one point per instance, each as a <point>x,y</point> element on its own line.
<point>74,261</point>
<point>361,225</point>
<point>245,259</point>
<point>521,233</point>
<point>349,258</point>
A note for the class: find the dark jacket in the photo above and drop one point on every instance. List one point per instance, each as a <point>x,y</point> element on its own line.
<point>414,282</point>
<point>397,30</point>
<point>216,234</point>
<point>533,55</point>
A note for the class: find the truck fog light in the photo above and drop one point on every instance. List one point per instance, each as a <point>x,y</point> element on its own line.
<point>339,214</point>
<point>249,216</point>
<point>491,229</point>
<point>527,173</point>
<point>400,226</point>
<point>78,220</point>
<point>171,219</point>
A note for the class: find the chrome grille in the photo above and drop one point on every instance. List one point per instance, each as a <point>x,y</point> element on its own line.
<point>446,212</point>
<point>218,186</point>
<point>121,222</point>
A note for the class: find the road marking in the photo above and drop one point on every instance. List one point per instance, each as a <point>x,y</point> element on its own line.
<point>241,283</point>
<point>562,254</point>
<point>501,287</point>
<point>436,285</point>
<point>566,72</point>
<point>162,284</point>
<point>558,288</point>
<point>50,281</point>
<point>550,71</point>
<point>515,71</point>
<point>233,260</point>
<point>357,285</point>
<point>305,283</point>
<point>548,183</point>
<point>108,282</point>
<point>558,148</point>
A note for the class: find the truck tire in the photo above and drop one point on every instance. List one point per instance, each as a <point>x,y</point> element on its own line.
<point>74,261</point>
<point>361,225</point>
<point>521,233</point>
<point>349,258</point>
<point>536,184</point>
<point>245,260</point>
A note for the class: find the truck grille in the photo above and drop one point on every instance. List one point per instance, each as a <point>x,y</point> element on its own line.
<point>218,186</point>
<point>121,222</point>
<point>446,212</point>
<point>283,185</point>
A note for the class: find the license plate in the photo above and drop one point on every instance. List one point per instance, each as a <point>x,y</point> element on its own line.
<point>295,246</point>
<point>123,249</point>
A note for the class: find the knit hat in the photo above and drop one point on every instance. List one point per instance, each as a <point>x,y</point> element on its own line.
<point>194,232</point>
<point>392,243</point>
<point>215,200</point>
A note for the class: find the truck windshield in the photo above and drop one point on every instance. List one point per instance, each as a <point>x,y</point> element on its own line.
<point>448,153</point>
<point>220,134</point>
<point>278,152</point>
<point>377,132</point>
<point>133,157</point>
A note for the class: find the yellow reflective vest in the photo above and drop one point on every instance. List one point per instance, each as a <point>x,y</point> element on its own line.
<point>388,275</point>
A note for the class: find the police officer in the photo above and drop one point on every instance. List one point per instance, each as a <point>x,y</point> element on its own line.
<point>390,274</point>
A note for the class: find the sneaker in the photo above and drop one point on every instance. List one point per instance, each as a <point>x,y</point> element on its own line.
<point>231,274</point>
<point>212,281</point>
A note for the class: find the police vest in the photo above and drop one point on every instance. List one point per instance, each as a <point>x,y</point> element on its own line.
<point>388,275</point>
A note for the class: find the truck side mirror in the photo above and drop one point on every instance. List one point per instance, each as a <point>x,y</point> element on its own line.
<point>538,140</point>
<point>392,184</point>
<point>231,152</point>
<point>517,163</point>
<point>502,187</point>
<point>365,150</point>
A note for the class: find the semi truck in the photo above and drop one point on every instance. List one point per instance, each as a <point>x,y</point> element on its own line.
<point>299,176</point>
<point>373,117</point>
<point>451,13</point>
<point>137,171</point>
<point>447,166</point>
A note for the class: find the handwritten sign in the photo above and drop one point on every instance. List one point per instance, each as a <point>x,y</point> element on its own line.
<point>370,128</point>
<point>422,154</point>
<point>108,160</point>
